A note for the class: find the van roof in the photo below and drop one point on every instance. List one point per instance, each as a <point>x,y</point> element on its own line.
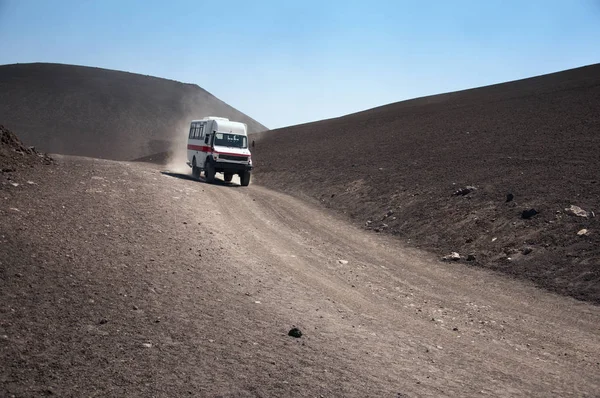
<point>210,118</point>
<point>233,127</point>
<point>225,125</point>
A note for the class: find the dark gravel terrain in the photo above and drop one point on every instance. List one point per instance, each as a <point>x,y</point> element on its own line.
<point>103,113</point>
<point>403,169</point>
<point>124,280</point>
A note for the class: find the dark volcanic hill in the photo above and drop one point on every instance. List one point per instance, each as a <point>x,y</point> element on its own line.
<point>102,113</point>
<point>528,144</point>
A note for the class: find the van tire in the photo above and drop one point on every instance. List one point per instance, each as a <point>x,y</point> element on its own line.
<point>209,172</point>
<point>245,178</point>
<point>195,169</point>
<point>228,177</point>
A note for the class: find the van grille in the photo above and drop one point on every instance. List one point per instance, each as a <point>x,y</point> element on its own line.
<point>235,158</point>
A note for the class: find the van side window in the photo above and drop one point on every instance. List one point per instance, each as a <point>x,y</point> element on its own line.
<point>191,131</point>
<point>201,131</point>
<point>196,131</point>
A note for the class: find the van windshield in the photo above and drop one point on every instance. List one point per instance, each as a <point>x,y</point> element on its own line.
<point>231,140</point>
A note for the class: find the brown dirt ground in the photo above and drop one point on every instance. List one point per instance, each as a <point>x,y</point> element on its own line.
<point>537,139</point>
<point>103,113</point>
<point>119,280</point>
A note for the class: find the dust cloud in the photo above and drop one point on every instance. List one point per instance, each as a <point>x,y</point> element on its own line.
<point>177,157</point>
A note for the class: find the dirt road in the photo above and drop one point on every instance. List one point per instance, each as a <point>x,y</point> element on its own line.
<point>117,279</point>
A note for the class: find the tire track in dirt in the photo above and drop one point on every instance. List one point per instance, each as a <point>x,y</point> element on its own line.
<point>508,333</point>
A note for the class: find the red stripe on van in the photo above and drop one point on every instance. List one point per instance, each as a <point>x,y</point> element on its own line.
<point>203,148</point>
<point>200,148</point>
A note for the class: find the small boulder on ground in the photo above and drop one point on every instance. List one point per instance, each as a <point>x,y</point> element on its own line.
<point>295,332</point>
<point>464,191</point>
<point>577,211</point>
<point>454,256</point>
<point>388,214</point>
<point>527,214</point>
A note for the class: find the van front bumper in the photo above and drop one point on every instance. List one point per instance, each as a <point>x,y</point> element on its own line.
<point>226,167</point>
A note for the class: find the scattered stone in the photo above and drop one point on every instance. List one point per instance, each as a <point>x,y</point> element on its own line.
<point>343,262</point>
<point>295,332</point>
<point>527,214</point>
<point>147,345</point>
<point>455,329</point>
<point>494,239</point>
<point>8,169</point>
<point>14,184</point>
<point>526,250</point>
<point>103,321</point>
<point>583,232</point>
<point>30,182</point>
<point>471,257</point>
<point>368,223</point>
<point>509,197</point>
<point>388,214</point>
<point>577,211</point>
<point>454,256</point>
<point>465,191</point>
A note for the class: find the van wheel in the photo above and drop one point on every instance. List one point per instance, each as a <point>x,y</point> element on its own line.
<point>209,172</point>
<point>195,169</point>
<point>245,178</point>
<point>228,177</point>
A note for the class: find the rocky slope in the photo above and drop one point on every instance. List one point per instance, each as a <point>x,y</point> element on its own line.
<point>404,168</point>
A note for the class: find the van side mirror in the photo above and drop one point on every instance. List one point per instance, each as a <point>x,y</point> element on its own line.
<point>206,139</point>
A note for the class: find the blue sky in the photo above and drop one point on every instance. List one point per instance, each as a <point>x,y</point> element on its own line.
<point>289,62</point>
